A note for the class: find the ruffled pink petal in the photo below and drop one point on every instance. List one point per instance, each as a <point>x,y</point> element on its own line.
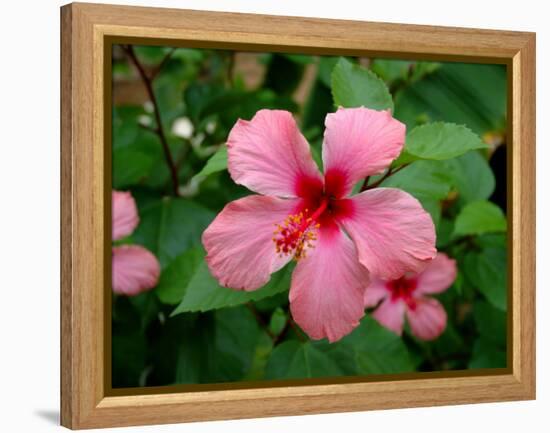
<point>326,293</point>
<point>392,231</point>
<point>124,214</point>
<point>239,242</point>
<point>376,292</point>
<point>359,142</point>
<point>269,155</point>
<point>391,314</point>
<point>438,275</point>
<point>135,270</point>
<point>427,319</point>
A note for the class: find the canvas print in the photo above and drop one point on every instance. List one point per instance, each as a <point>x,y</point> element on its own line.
<point>281,216</point>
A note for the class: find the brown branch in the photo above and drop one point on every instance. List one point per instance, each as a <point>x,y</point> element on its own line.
<point>296,329</point>
<point>163,62</point>
<point>365,184</point>
<point>159,130</point>
<point>260,320</point>
<point>389,173</point>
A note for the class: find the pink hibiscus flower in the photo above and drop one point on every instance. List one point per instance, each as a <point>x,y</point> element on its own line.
<point>335,239</point>
<point>135,269</point>
<point>406,296</point>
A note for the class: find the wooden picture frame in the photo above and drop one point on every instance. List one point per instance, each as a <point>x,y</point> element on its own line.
<point>88,32</point>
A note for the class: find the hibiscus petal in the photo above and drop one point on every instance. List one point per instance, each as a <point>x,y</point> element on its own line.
<point>326,293</point>
<point>270,156</point>
<point>124,214</point>
<point>239,242</point>
<point>391,315</point>
<point>438,275</point>
<point>427,319</point>
<point>376,292</point>
<point>392,231</point>
<point>359,142</point>
<point>135,270</point>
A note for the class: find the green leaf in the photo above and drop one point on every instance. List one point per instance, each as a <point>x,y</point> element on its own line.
<point>472,176</point>
<point>487,270</point>
<point>175,279</point>
<point>479,217</point>
<point>296,360</point>
<point>216,163</point>
<point>262,351</point>
<point>129,357</point>
<point>399,71</point>
<point>445,228</point>
<point>129,167</point>
<point>236,336</point>
<point>438,141</point>
<point>355,86</point>
<point>422,179</point>
<point>190,280</point>
<point>278,321</point>
<point>302,59</point>
<point>326,66</point>
<point>391,70</point>
<point>369,349</point>
<point>227,105</point>
<point>462,93</point>
<point>217,347</point>
<point>151,54</point>
<point>490,323</point>
<point>170,226</point>
<point>487,355</point>
<point>378,350</point>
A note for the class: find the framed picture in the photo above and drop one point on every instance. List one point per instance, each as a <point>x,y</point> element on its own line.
<point>270,216</point>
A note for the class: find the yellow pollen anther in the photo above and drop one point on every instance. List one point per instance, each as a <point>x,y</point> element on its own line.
<point>295,235</point>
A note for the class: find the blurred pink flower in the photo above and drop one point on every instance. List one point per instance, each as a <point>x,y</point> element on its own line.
<point>406,296</point>
<point>336,239</point>
<point>135,269</point>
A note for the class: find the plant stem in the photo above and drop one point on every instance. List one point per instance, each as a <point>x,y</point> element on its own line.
<point>296,329</point>
<point>389,173</point>
<point>159,130</point>
<point>163,62</point>
<point>260,320</point>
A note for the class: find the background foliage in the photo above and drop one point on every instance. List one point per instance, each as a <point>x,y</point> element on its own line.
<point>190,330</point>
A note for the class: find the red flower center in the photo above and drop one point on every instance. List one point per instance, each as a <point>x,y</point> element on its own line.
<point>403,288</point>
<point>320,207</point>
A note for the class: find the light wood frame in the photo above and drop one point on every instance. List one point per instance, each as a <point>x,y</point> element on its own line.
<point>87,30</point>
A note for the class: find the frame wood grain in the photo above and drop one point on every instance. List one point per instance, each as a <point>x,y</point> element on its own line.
<point>87,30</point>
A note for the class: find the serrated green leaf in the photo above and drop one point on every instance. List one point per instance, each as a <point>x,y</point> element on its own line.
<point>326,65</point>
<point>479,217</point>
<point>355,86</point>
<point>438,141</point>
<point>297,360</point>
<point>198,290</point>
